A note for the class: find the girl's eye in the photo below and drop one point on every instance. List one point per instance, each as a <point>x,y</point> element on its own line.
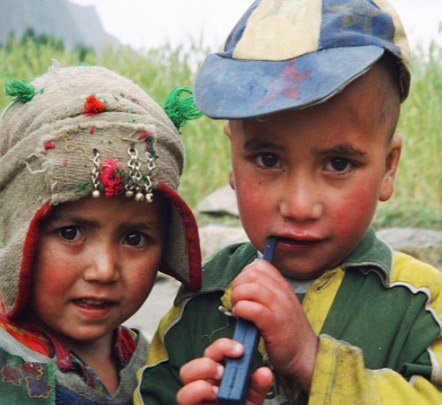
<point>267,160</point>
<point>71,233</point>
<point>338,164</point>
<point>135,238</point>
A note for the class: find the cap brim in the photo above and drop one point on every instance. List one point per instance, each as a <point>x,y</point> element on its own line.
<point>227,88</point>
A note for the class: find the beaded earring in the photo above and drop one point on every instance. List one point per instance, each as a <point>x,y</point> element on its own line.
<point>138,185</point>
<point>96,174</point>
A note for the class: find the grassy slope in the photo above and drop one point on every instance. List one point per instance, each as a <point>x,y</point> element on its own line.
<point>417,199</point>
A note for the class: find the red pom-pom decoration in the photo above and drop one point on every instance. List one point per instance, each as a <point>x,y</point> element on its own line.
<point>93,105</point>
<point>111,177</point>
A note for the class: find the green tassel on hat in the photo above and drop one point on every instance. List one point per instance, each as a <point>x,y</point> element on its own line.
<point>21,91</point>
<point>181,109</point>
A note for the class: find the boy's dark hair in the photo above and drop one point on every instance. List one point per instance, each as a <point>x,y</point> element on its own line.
<point>391,101</point>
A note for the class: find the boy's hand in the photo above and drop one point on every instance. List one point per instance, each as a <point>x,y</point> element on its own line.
<point>201,377</point>
<point>261,294</point>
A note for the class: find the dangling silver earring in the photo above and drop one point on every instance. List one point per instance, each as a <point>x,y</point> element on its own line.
<point>133,186</point>
<point>148,181</point>
<point>139,185</point>
<point>96,174</point>
<point>131,165</point>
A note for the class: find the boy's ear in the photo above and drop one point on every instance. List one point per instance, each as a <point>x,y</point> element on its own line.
<point>231,180</point>
<point>391,164</point>
<point>227,129</point>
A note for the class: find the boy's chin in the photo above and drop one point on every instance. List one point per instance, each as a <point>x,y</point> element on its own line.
<point>299,269</point>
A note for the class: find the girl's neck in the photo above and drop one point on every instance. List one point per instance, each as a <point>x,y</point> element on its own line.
<point>99,356</point>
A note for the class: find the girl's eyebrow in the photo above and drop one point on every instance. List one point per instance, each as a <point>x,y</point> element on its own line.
<point>91,223</point>
<point>74,220</point>
<point>141,225</point>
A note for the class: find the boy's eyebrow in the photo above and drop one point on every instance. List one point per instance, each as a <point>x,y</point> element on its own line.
<point>344,149</point>
<point>254,144</point>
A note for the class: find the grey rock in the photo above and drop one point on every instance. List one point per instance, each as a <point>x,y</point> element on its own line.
<point>423,244</point>
<point>220,202</point>
<point>405,238</point>
<point>160,300</point>
<point>215,237</point>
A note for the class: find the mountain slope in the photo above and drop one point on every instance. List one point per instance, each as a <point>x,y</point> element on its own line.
<point>74,24</point>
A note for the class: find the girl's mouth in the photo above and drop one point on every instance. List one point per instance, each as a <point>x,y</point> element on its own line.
<point>93,303</point>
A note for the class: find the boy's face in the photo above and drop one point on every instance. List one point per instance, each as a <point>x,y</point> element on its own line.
<point>96,265</point>
<point>312,177</point>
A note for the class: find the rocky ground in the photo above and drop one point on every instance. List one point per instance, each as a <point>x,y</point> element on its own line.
<point>424,244</point>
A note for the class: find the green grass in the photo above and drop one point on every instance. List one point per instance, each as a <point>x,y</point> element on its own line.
<point>417,199</point>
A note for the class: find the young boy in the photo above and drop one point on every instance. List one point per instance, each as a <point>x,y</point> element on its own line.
<point>89,167</point>
<point>312,91</point>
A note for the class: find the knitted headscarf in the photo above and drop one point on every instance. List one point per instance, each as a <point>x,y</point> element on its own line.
<point>86,131</point>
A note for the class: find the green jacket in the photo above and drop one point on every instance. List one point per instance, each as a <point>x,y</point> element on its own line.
<point>378,317</point>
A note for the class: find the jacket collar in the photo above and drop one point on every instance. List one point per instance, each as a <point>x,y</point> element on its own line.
<point>371,254</point>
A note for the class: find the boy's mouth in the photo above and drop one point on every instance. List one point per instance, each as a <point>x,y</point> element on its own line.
<point>283,242</point>
<point>93,303</point>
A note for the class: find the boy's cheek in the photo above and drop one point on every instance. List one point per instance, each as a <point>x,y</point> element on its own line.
<point>353,213</point>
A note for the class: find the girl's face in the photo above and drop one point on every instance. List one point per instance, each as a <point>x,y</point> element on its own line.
<point>96,264</point>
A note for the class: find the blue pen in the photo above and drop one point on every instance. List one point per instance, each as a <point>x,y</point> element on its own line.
<point>237,372</point>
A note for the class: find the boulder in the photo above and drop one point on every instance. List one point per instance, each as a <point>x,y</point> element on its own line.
<point>215,237</point>
<point>220,202</point>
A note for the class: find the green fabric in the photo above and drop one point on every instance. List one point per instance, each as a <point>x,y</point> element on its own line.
<point>390,325</point>
<point>371,253</point>
<point>222,269</point>
<point>24,382</point>
<point>396,346</point>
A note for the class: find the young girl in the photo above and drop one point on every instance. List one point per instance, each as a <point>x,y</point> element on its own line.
<point>89,167</point>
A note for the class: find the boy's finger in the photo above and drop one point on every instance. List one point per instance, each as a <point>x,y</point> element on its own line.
<point>261,381</point>
<point>254,312</point>
<point>222,348</point>
<point>201,369</point>
<point>263,268</point>
<point>197,392</point>
<point>266,293</point>
<point>254,292</point>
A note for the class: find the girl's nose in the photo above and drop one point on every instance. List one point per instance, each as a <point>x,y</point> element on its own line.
<point>104,266</point>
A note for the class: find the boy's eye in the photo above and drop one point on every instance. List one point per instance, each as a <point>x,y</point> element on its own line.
<point>338,164</point>
<point>135,238</point>
<point>69,233</point>
<point>268,160</point>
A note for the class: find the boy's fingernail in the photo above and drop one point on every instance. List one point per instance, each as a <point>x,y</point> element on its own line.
<point>237,349</point>
<point>215,389</point>
<point>219,371</point>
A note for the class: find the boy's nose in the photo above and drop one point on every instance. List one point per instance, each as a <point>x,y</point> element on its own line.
<point>300,202</point>
<point>104,266</point>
